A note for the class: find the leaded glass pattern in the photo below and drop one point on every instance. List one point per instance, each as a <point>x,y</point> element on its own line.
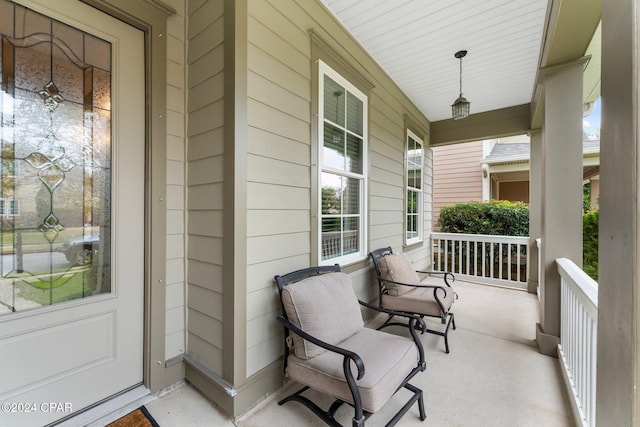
<point>55,151</point>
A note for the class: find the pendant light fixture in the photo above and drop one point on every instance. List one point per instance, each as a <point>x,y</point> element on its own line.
<point>460,108</point>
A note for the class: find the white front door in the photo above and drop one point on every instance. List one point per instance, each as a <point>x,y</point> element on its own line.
<point>72,147</point>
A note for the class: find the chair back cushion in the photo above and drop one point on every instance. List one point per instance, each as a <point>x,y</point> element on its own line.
<point>324,306</point>
<point>398,268</point>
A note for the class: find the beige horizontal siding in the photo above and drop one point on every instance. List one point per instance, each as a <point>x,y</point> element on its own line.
<point>205,106</point>
<point>203,351</point>
<point>266,351</point>
<point>279,219</point>
<point>206,301</point>
<point>205,274</point>
<point>175,179</point>
<point>273,222</point>
<point>268,248</point>
<point>208,144</point>
<point>205,327</point>
<point>260,276</point>
<point>271,145</point>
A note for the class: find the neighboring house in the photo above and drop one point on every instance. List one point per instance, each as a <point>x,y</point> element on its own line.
<point>457,175</point>
<point>505,169</point>
<point>496,169</point>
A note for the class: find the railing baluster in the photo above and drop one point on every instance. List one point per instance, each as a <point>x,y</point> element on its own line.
<point>578,338</point>
<point>491,260</point>
<point>445,267</point>
<point>467,246</point>
<point>518,262</point>
<point>509,264</point>
<point>475,259</point>
<point>484,258</point>
<point>500,261</point>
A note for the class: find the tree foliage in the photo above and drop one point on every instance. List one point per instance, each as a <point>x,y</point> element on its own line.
<point>590,222</point>
<point>502,218</point>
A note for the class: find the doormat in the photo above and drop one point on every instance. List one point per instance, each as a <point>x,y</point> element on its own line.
<point>138,418</point>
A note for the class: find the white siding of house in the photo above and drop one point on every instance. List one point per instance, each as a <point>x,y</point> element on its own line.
<point>175,315</point>
<point>279,217</point>
<point>205,86</point>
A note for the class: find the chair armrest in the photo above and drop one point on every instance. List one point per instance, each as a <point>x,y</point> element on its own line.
<point>414,317</point>
<point>445,274</point>
<point>412,329</point>
<point>434,287</point>
<point>348,355</point>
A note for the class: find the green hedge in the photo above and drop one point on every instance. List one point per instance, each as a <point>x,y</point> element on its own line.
<point>590,222</point>
<point>502,218</point>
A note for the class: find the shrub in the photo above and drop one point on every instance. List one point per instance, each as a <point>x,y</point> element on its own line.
<point>590,222</point>
<point>497,218</point>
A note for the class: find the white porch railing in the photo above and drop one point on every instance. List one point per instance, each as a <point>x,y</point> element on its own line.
<point>578,339</point>
<point>483,258</point>
<point>336,243</point>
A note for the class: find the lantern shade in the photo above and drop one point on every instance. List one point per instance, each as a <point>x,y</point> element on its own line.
<point>460,108</point>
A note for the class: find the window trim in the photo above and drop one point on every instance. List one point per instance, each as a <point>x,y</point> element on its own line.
<point>325,69</point>
<point>420,192</point>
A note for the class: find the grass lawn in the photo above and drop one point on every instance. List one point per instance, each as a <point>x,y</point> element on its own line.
<point>55,288</point>
<point>36,237</point>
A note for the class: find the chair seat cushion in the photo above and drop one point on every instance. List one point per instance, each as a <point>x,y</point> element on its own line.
<point>421,301</point>
<point>324,306</point>
<point>388,359</point>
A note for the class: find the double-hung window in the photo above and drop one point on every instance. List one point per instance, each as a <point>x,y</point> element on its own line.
<point>13,207</point>
<point>342,168</point>
<point>9,207</point>
<point>414,173</point>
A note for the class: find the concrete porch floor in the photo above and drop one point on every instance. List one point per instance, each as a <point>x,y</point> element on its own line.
<point>494,376</point>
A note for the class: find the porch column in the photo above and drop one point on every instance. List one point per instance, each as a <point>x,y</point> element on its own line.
<point>618,375</point>
<point>535,207</point>
<point>561,191</point>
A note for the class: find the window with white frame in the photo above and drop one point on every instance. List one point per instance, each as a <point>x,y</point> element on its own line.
<point>9,207</point>
<point>342,168</point>
<point>414,173</point>
<point>13,207</point>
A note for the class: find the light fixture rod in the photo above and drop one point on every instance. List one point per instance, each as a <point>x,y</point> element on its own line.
<point>460,54</point>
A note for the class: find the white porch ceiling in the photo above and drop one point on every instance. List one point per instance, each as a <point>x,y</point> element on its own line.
<point>414,41</point>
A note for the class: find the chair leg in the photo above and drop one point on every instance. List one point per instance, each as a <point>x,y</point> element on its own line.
<point>358,422</point>
<point>417,397</point>
<point>423,415</point>
<point>451,322</point>
<point>326,416</point>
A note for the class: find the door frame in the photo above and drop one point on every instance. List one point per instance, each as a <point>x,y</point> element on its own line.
<point>151,17</point>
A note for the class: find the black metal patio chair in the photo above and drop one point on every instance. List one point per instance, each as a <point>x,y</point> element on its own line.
<point>328,349</point>
<point>400,288</point>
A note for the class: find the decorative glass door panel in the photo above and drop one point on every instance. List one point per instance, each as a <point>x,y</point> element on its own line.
<point>55,171</point>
